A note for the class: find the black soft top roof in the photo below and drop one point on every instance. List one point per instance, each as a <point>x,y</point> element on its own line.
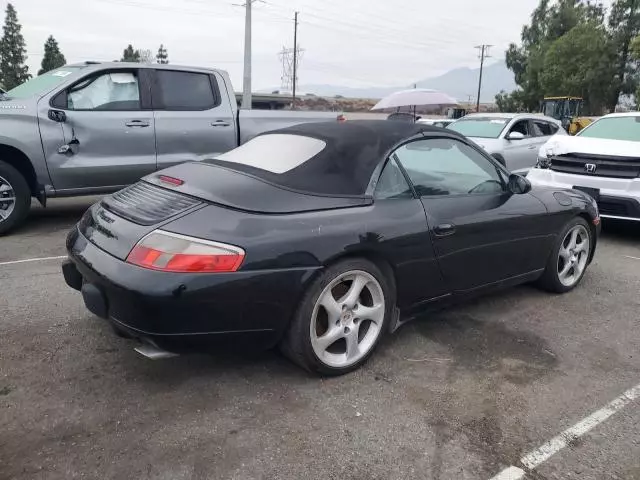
<point>344,167</point>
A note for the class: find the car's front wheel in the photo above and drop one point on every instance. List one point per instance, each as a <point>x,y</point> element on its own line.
<point>15,198</point>
<point>341,319</point>
<point>569,259</point>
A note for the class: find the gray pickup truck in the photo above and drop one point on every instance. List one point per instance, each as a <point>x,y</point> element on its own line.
<point>94,128</point>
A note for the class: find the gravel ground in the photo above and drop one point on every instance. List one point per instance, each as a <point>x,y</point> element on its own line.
<point>460,394</point>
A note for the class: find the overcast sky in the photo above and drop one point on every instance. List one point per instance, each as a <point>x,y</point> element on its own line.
<point>346,42</point>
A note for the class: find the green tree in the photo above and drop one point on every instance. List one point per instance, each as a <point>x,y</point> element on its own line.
<point>579,64</point>
<point>624,26</point>
<point>510,102</point>
<point>549,22</point>
<point>53,57</point>
<point>635,48</point>
<point>162,56</point>
<point>635,54</point>
<point>13,53</point>
<point>130,55</point>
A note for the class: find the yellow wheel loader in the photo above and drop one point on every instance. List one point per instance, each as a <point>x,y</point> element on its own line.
<point>566,109</point>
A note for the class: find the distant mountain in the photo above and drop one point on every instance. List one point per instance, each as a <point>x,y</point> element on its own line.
<point>459,83</point>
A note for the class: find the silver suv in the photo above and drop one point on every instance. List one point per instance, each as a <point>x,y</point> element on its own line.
<point>512,138</point>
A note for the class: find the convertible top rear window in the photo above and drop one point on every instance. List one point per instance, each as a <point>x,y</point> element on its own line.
<point>275,153</point>
<point>323,158</point>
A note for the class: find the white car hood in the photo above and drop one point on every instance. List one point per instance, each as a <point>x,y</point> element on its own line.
<point>491,145</point>
<point>561,145</point>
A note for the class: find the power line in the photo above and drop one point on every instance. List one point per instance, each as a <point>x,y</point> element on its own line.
<point>380,33</point>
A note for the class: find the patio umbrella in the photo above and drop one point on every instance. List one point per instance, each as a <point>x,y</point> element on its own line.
<point>415,97</point>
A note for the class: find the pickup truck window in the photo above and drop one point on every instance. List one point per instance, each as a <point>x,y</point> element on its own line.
<point>185,91</point>
<point>109,91</point>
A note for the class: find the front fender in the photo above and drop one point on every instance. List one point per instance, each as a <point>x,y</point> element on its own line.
<point>20,131</point>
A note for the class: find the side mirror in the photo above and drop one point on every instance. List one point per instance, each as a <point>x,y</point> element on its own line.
<point>57,116</point>
<point>515,136</point>
<point>519,184</point>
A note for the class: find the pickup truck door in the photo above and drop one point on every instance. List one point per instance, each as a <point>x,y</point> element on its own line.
<point>98,134</point>
<point>193,116</point>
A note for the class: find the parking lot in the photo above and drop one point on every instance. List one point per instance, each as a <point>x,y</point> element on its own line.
<point>462,394</point>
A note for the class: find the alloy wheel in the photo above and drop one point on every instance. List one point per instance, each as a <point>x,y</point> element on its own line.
<point>347,319</point>
<point>7,199</point>
<point>573,255</point>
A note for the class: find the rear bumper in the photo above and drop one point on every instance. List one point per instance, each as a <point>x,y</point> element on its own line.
<point>180,312</point>
<point>619,198</point>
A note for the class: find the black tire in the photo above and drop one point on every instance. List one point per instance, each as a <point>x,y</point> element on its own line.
<point>296,344</point>
<point>550,279</point>
<point>23,197</point>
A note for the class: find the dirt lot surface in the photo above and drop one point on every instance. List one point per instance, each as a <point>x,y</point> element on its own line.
<point>461,394</point>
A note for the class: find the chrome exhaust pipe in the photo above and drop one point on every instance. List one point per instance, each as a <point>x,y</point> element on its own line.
<point>153,353</point>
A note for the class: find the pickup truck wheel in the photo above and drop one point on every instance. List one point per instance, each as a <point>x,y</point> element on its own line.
<point>15,198</point>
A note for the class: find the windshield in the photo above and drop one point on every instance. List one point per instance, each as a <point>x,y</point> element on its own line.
<point>42,83</point>
<point>480,127</point>
<point>614,128</point>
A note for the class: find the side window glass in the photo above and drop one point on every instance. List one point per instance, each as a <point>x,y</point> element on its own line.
<point>184,91</point>
<point>109,91</point>
<point>392,183</point>
<point>542,129</point>
<point>443,166</point>
<point>523,127</point>
<point>553,128</point>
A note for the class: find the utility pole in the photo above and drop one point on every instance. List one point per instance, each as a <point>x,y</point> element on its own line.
<point>483,52</point>
<point>295,59</point>
<point>246,79</point>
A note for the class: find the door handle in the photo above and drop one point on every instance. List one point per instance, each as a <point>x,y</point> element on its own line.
<point>532,147</point>
<point>137,123</point>
<point>220,123</point>
<point>444,229</point>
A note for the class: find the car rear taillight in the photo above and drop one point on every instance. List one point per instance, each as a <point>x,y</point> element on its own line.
<point>171,252</point>
<point>341,118</point>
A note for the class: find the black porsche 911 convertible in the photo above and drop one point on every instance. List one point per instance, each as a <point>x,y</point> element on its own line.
<point>320,239</point>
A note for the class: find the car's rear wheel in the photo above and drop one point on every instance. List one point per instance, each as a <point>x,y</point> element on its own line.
<point>341,319</point>
<point>15,198</point>
<point>569,259</point>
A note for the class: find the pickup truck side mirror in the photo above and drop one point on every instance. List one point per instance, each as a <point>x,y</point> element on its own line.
<point>519,184</point>
<point>57,116</point>
<point>515,136</point>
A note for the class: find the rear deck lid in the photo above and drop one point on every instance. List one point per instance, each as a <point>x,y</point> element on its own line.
<point>242,191</point>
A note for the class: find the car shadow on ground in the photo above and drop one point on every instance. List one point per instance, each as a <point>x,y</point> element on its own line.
<point>621,230</point>
<point>60,214</point>
<point>467,340</point>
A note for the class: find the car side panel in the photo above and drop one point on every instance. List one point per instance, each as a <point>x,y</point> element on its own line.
<point>494,237</point>
<point>394,230</point>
